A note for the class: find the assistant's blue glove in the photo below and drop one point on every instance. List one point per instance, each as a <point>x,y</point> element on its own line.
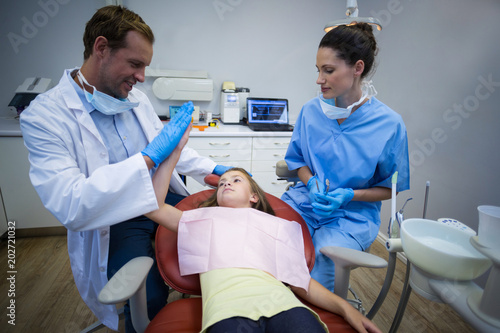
<point>219,170</point>
<point>315,187</point>
<point>334,200</point>
<point>165,142</point>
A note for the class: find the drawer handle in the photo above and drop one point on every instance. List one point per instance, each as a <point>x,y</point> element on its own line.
<point>279,155</point>
<point>281,144</point>
<point>279,183</point>
<point>219,143</point>
<point>214,156</point>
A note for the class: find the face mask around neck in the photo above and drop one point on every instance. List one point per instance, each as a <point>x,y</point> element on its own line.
<point>334,112</point>
<point>103,102</point>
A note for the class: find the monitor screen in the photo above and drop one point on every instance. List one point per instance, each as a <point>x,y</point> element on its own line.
<point>267,110</point>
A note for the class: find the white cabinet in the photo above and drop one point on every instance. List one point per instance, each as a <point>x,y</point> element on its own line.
<point>224,150</point>
<point>256,152</point>
<point>20,199</point>
<point>3,217</point>
<point>266,152</point>
<point>233,151</point>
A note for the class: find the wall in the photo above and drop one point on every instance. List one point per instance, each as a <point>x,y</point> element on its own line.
<point>437,68</point>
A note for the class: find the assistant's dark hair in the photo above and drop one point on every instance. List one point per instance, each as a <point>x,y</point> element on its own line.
<point>262,204</point>
<point>113,23</point>
<point>352,43</point>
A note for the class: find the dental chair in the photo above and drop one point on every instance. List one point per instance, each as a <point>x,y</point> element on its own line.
<point>185,315</point>
<point>346,260</point>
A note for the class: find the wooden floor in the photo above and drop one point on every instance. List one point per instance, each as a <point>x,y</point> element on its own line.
<point>46,298</point>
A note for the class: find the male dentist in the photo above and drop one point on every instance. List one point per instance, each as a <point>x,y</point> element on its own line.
<point>94,141</point>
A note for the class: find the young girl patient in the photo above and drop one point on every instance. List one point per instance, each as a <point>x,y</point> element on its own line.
<point>243,290</point>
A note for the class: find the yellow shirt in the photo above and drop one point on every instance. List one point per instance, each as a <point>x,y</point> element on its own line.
<point>244,292</point>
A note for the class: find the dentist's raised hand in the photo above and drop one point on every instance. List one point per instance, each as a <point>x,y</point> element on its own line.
<point>166,141</point>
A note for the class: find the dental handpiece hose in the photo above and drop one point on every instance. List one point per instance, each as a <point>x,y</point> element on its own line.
<point>426,198</point>
<point>394,181</point>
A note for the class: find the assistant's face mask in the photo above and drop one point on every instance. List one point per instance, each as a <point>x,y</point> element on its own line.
<point>104,103</point>
<point>334,112</point>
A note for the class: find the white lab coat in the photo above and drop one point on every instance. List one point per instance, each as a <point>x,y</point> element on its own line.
<point>71,173</point>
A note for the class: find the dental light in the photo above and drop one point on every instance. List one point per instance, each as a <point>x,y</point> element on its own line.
<point>352,18</point>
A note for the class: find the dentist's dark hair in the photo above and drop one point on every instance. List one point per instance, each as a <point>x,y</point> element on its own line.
<point>352,43</point>
<point>113,23</point>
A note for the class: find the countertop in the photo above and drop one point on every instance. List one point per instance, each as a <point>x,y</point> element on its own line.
<point>235,130</point>
<point>9,126</point>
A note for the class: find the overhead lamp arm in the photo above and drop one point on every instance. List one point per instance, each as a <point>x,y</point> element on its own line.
<point>352,8</point>
<point>352,18</point>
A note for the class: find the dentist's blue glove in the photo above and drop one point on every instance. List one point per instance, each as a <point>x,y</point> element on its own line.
<point>334,200</point>
<point>219,170</point>
<point>165,142</point>
<point>315,187</point>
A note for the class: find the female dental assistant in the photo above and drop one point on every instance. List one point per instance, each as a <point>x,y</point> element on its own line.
<point>346,146</point>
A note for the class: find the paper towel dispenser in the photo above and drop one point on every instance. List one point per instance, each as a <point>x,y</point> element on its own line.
<point>182,85</point>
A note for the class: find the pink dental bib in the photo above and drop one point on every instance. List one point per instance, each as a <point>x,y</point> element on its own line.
<point>218,237</point>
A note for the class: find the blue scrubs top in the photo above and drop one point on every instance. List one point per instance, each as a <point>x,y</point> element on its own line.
<point>363,152</point>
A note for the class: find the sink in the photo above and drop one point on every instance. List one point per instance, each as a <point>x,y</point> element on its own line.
<point>442,250</point>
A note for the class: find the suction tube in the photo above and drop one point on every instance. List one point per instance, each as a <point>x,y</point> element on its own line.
<point>394,181</point>
<point>426,199</point>
<point>391,267</point>
<point>405,295</point>
<point>392,255</point>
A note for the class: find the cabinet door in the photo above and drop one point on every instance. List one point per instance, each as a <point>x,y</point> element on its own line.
<point>270,183</point>
<point>220,143</point>
<point>22,203</point>
<point>262,142</point>
<point>268,155</point>
<point>3,217</point>
<point>228,156</point>
<point>267,151</point>
<point>230,151</point>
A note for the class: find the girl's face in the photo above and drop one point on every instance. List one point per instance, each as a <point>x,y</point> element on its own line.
<point>234,191</point>
<point>336,78</point>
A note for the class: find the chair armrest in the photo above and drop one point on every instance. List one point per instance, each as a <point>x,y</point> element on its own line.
<point>130,283</point>
<point>349,258</point>
<point>283,172</point>
<point>346,259</point>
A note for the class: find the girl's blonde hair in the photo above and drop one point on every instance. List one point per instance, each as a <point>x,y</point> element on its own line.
<point>262,204</point>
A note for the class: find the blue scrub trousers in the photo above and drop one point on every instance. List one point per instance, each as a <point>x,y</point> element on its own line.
<point>296,320</point>
<point>324,234</point>
<point>131,239</point>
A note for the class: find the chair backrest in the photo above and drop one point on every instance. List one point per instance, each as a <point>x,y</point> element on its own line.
<point>166,243</point>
